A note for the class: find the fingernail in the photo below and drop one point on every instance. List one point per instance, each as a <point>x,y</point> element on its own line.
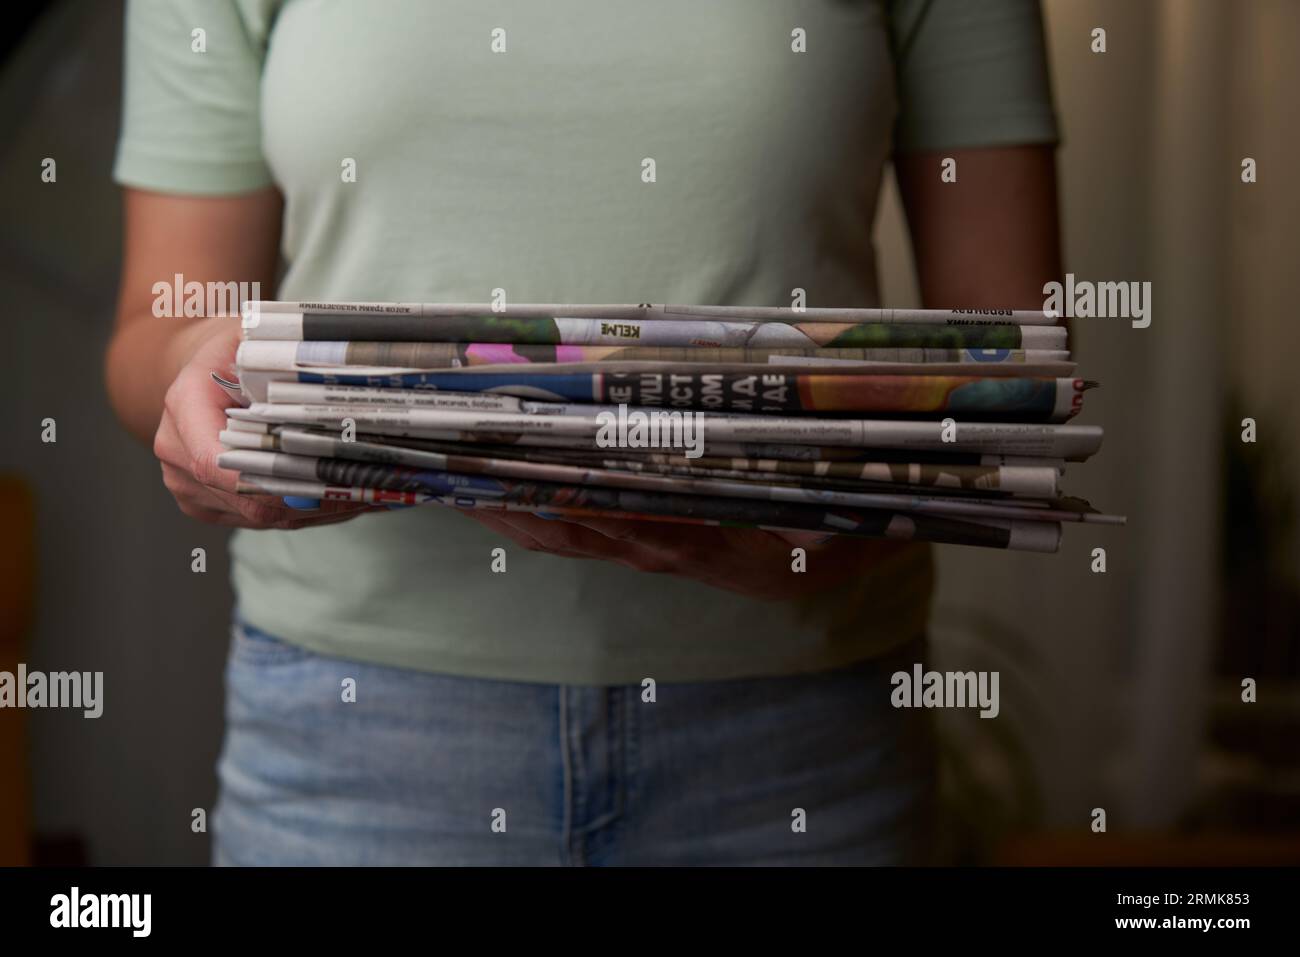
<point>303,504</point>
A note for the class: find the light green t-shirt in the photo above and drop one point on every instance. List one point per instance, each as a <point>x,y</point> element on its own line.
<point>514,160</point>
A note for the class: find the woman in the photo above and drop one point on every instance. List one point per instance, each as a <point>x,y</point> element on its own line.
<point>623,692</point>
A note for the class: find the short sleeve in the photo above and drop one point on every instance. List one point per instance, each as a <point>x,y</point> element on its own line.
<point>970,74</point>
<point>191,96</point>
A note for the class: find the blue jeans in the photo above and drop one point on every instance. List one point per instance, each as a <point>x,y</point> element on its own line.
<point>433,769</point>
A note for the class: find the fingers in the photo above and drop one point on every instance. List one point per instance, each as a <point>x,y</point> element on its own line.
<point>548,536</point>
<point>208,505</point>
<point>502,527</point>
<point>329,518</point>
<point>656,547</point>
<point>620,529</point>
<point>187,446</point>
<point>192,448</point>
<point>748,561</point>
<point>557,536</point>
<point>196,409</point>
<point>216,507</point>
<point>809,540</point>
<point>510,525</point>
<point>206,493</point>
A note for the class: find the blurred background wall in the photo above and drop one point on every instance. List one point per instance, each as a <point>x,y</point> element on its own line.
<point>114,590</point>
<point>1122,671</point>
<point>1120,689</point>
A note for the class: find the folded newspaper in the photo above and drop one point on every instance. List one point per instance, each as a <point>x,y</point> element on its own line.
<point>946,426</point>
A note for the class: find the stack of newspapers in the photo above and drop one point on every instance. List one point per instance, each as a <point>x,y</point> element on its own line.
<point>922,425</point>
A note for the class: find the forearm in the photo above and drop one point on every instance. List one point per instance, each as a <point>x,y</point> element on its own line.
<point>144,357</point>
<point>990,239</point>
<point>204,239</point>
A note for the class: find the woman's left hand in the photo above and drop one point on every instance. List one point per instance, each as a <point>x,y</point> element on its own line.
<point>754,562</point>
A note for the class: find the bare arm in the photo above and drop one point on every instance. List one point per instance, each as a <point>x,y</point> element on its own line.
<point>203,239</point>
<point>157,369</point>
<point>990,239</point>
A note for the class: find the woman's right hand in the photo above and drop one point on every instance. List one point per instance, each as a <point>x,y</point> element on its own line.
<point>186,444</point>
<point>159,365</point>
